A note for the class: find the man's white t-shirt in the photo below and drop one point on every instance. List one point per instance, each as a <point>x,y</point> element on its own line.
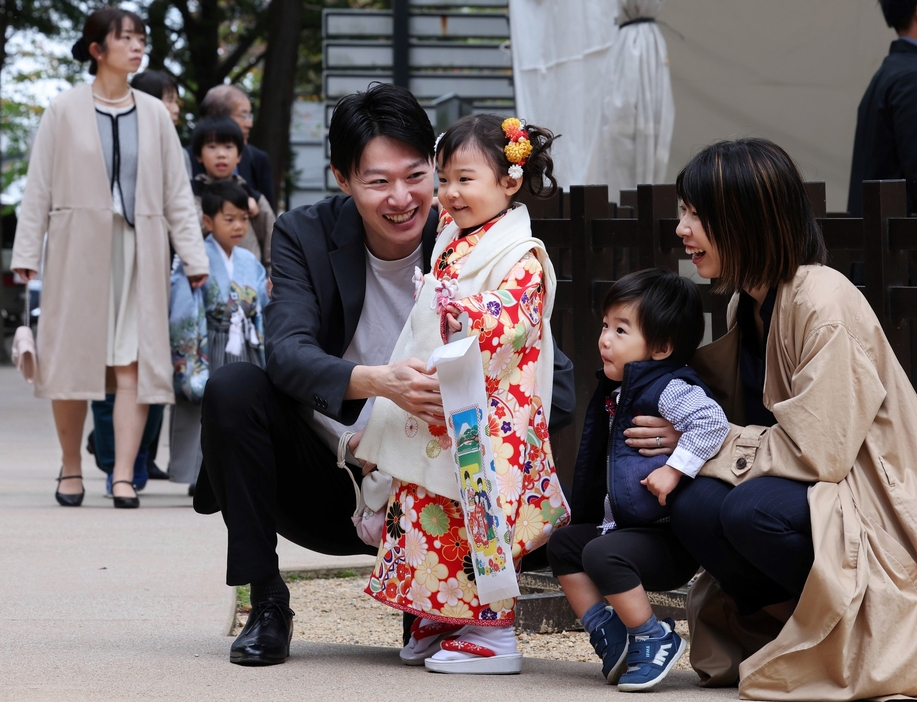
<point>387,303</point>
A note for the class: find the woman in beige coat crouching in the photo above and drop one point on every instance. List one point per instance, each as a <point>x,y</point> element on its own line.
<point>805,521</point>
<point>107,183</point>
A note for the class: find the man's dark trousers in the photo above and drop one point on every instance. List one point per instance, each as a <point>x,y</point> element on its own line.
<point>273,476</point>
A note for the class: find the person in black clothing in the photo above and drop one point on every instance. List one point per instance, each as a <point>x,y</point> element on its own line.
<point>343,288</point>
<point>255,166</point>
<point>885,145</point>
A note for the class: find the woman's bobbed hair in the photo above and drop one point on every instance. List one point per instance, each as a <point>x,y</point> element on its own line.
<point>97,28</point>
<point>485,133</point>
<point>750,199</point>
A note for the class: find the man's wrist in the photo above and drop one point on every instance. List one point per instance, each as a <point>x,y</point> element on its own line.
<point>364,382</point>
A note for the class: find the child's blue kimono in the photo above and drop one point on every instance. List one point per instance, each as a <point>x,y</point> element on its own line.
<point>209,327</point>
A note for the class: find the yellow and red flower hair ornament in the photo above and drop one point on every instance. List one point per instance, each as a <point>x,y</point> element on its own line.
<point>519,147</point>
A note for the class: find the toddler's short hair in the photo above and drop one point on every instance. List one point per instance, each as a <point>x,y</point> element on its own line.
<point>669,310</point>
<point>219,129</point>
<point>215,194</point>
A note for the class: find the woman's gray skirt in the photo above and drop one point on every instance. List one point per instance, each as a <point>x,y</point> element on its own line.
<point>185,439</point>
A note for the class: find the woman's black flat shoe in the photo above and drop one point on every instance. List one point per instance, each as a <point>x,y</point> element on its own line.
<point>74,500</point>
<point>124,502</point>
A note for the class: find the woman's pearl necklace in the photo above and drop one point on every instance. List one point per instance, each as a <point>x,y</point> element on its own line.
<point>108,101</point>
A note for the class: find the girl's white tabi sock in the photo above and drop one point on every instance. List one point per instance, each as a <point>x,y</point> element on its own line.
<point>421,645</point>
<point>499,639</point>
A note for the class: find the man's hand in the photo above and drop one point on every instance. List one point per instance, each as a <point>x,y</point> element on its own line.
<point>407,383</point>
<point>353,444</point>
<point>643,435</point>
<point>662,481</point>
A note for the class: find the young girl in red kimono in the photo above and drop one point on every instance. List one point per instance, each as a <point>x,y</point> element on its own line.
<point>425,564</point>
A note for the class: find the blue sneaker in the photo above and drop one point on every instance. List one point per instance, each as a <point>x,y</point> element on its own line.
<point>610,643</point>
<point>650,660</point>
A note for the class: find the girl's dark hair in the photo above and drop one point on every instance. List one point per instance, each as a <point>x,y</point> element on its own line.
<point>669,310</point>
<point>485,133</point>
<point>899,13</point>
<point>751,201</point>
<point>221,130</point>
<point>383,110</point>
<point>155,83</point>
<point>97,28</point>
<point>218,192</point>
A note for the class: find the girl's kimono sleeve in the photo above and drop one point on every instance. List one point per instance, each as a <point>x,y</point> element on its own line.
<point>188,336</point>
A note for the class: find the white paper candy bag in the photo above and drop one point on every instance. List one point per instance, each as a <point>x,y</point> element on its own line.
<point>461,384</point>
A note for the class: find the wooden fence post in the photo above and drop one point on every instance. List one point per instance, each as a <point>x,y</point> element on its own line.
<point>886,268</point>
<point>586,204</point>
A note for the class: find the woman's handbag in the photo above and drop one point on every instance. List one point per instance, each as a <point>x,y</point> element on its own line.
<point>371,496</point>
<point>25,357</point>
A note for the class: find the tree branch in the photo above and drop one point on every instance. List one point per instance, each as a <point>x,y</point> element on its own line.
<point>237,76</point>
<point>245,43</point>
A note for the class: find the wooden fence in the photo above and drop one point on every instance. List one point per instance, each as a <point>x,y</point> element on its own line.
<point>593,241</point>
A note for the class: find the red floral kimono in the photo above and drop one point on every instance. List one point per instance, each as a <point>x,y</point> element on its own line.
<point>424,564</point>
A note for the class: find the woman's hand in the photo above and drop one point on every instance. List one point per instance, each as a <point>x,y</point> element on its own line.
<point>25,273</point>
<point>197,280</point>
<point>353,444</point>
<point>452,324</point>
<point>654,436</point>
<point>253,209</point>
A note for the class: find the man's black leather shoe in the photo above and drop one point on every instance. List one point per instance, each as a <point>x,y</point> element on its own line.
<point>265,640</point>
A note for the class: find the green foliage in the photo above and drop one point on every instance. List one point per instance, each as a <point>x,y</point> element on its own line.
<point>39,64</point>
<point>50,17</point>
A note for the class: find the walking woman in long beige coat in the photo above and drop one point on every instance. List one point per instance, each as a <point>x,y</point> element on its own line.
<point>805,520</point>
<point>107,182</point>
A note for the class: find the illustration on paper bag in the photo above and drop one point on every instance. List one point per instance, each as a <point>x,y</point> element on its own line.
<point>482,521</point>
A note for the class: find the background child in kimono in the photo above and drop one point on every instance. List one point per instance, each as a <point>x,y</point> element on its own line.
<point>425,564</point>
<point>217,143</point>
<point>620,546</point>
<point>218,324</point>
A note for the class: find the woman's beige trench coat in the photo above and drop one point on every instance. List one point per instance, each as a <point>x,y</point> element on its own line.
<point>68,195</point>
<point>847,422</point>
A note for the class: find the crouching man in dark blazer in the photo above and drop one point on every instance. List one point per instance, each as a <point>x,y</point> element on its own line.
<point>343,288</point>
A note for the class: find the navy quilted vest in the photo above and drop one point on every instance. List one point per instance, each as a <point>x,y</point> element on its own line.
<point>631,503</point>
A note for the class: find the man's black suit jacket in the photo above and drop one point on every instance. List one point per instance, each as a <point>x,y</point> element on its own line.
<point>255,168</point>
<point>885,146</point>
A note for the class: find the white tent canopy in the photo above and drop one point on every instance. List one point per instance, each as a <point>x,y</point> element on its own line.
<point>789,70</point>
<point>606,90</point>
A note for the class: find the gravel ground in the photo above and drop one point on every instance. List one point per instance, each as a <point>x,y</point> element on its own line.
<point>336,610</point>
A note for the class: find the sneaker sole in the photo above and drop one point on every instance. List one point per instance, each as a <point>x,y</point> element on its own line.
<point>618,669</point>
<point>636,687</point>
<point>509,664</point>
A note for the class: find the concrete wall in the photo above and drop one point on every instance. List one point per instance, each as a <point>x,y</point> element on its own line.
<point>789,70</point>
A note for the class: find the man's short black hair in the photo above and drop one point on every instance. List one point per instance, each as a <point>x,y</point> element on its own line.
<point>220,191</point>
<point>899,13</point>
<point>669,310</point>
<point>383,110</point>
<point>220,130</point>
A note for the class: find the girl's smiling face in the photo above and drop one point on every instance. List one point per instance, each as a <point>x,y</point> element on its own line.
<point>470,190</point>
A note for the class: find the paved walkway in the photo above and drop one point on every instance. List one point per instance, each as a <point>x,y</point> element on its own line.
<point>104,604</point>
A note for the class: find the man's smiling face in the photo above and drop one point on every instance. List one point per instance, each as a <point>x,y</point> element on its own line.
<point>393,192</point>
